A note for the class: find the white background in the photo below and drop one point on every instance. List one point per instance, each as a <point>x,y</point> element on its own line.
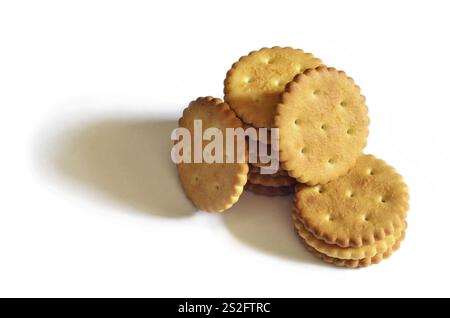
<point>90,90</point>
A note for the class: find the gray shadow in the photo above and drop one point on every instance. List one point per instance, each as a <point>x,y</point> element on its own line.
<point>126,160</point>
<point>265,224</point>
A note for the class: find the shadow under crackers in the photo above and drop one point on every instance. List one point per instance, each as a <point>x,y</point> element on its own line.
<point>126,159</point>
<point>265,223</point>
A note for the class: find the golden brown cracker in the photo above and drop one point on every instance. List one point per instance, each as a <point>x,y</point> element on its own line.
<point>254,83</point>
<point>323,125</point>
<point>212,187</point>
<point>362,207</point>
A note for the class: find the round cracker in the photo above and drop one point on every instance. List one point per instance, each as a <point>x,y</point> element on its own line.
<point>212,187</point>
<point>323,125</point>
<point>271,181</point>
<point>268,191</point>
<point>348,253</point>
<point>253,84</point>
<point>362,207</point>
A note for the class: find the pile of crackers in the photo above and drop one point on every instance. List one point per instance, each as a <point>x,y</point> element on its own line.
<point>349,208</point>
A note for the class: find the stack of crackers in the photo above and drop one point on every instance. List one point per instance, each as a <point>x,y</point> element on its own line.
<point>271,182</point>
<point>349,209</point>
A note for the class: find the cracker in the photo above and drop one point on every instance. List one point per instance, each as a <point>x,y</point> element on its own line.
<point>362,207</point>
<point>268,191</point>
<point>271,181</point>
<point>212,187</point>
<point>254,83</point>
<point>323,125</point>
<point>349,253</point>
<point>354,263</point>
